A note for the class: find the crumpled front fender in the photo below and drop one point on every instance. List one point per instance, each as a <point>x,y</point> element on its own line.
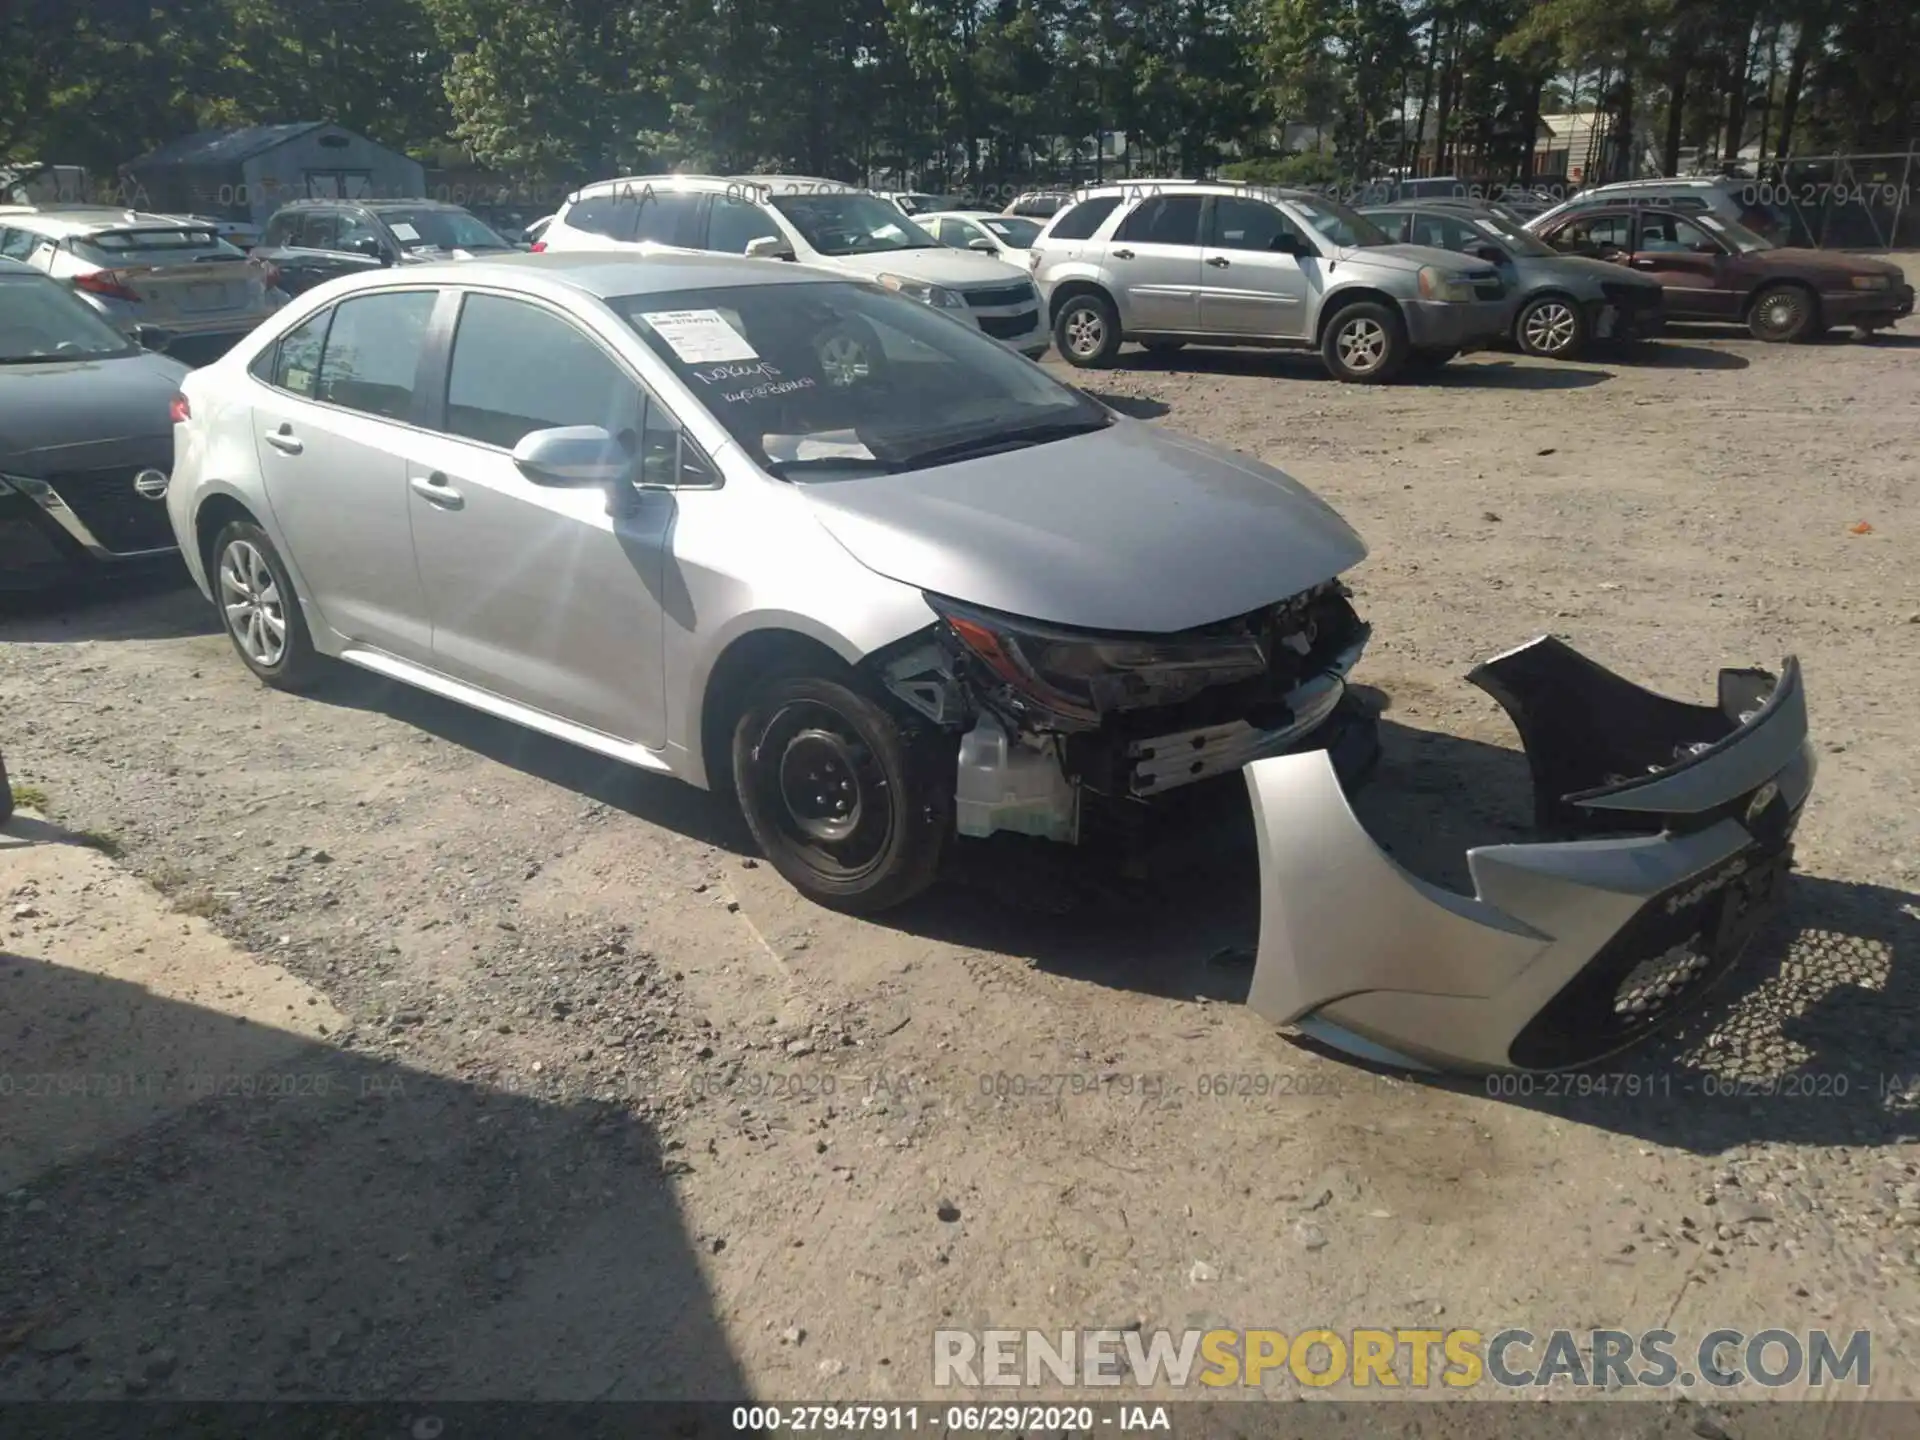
<point>1668,830</point>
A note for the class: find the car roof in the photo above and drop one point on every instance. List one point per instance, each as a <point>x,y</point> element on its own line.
<point>392,203</point>
<point>603,274</point>
<point>1698,182</point>
<point>64,220</point>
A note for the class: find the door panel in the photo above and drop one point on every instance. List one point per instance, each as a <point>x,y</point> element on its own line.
<point>1154,259</point>
<point>1246,286</point>
<point>1698,284</point>
<point>334,476</point>
<point>538,594</point>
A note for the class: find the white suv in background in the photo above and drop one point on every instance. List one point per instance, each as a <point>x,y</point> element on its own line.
<point>821,223</point>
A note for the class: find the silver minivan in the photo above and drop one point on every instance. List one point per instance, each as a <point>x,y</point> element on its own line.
<point>1168,263</point>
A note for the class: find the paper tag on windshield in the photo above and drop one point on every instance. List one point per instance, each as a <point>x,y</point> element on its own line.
<point>823,445</point>
<point>404,231</point>
<point>699,337</point>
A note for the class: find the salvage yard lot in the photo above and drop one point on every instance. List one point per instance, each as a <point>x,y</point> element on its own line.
<point>617,1115</point>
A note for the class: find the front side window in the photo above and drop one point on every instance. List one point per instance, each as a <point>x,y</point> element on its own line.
<point>819,380</point>
<point>320,230</point>
<point>1242,224</point>
<point>1341,226</point>
<point>1080,221</point>
<point>1671,235</point>
<point>1163,220</point>
<point>359,234</point>
<point>735,223</point>
<point>1601,235</point>
<point>559,376</point>
<point>41,320</point>
<point>1014,230</point>
<point>1440,232</point>
<point>373,350</point>
<point>851,223</point>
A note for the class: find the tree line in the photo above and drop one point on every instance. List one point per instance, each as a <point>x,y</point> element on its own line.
<point>966,93</point>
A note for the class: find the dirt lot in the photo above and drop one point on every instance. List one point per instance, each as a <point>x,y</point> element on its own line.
<point>573,1099</point>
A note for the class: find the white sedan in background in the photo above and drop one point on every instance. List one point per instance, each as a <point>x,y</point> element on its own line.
<point>1006,237</point>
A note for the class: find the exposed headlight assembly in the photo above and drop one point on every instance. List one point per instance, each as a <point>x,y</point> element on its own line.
<point>1077,677</point>
<point>1437,284</point>
<point>1870,282</point>
<point>937,296</point>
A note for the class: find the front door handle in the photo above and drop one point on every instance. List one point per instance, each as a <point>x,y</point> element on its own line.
<point>435,491</point>
<point>285,441</point>
<point>1122,254</point>
<point>1646,264</point>
<point>1219,260</point>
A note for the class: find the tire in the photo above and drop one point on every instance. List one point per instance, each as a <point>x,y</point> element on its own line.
<point>1365,343</point>
<point>1163,347</point>
<point>1086,331</point>
<point>258,606</point>
<point>870,853</point>
<point>1551,327</point>
<point>1784,315</point>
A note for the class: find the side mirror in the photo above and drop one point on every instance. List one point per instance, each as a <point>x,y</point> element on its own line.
<point>152,337</point>
<point>1705,247</point>
<point>573,457</point>
<point>1492,254</point>
<point>370,246</point>
<point>769,247</point>
<point>984,244</point>
<point>1284,243</point>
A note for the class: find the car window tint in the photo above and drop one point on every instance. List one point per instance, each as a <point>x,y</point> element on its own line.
<point>17,244</point>
<point>355,231</point>
<point>1602,232</point>
<point>1672,234</point>
<point>667,218</point>
<point>1242,224</point>
<point>372,350</point>
<point>1078,222</point>
<point>735,223</point>
<point>558,375</point>
<point>610,214</point>
<point>1163,220</point>
<point>280,230</point>
<point>1442,232</point>
<point>319,230</point>
<point>294,364</point>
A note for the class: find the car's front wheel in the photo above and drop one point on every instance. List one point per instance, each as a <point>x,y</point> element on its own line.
<point>842,802</point>
<point>1784,315</point>
<point>1365,343</point>
<point>1551,327</point>
<point>1086,330</point>
<point>262,614</point>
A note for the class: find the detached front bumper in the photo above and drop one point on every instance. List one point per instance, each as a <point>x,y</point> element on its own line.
<point>1668,831</point>
<point>1452,325</point>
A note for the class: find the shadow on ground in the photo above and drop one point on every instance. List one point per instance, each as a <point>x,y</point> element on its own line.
<point>157,604</point>
<point>1667,355</point>
<point>287,1220</point>
<point>1489,372</point>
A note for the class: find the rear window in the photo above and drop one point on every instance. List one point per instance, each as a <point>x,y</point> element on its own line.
<point>1079,222</point>
<point>155,246</point>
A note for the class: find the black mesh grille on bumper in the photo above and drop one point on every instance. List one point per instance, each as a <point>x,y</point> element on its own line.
<point>1009,327</point>
<point>120,518</point>
<point>1005,295</point>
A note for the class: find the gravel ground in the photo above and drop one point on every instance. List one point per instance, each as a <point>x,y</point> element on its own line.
<point>611,1113</point>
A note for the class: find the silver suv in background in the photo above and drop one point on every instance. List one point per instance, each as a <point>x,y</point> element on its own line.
<point>1168,263</point>
<point>193,293</point>
<point>1743,202</point>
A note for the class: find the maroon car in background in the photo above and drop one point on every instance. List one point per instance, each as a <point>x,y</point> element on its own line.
<point>1714,269</point>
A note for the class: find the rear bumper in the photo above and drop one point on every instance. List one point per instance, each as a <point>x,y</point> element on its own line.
<point>1437,325</point>
<point>1657,873</point>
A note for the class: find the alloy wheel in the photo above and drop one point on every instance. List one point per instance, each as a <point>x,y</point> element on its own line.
<point>1086,331</point>
<point>1550,327</point>
<point>250,596</point>
<point>1362,343</point>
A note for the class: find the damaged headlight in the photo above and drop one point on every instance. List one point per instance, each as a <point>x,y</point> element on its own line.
<point>1080,676</point>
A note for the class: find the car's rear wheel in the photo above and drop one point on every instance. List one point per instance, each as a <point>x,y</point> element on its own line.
<point>1551,327</point>
<point>1784,315</point>
<point>1086,330</point>
<point>261,613</point>
<point>843,803</point>
<point>1365,343</point>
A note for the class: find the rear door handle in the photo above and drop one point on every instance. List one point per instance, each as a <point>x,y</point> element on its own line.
<point>1219,260</point>
<point>435,491</point>
<point>284,440</point>
<point>1122,254</point>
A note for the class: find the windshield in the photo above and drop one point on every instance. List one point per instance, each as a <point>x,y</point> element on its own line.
<point>824,381</point>
<point>1521,242</point>
<point>442,230</point>
<point>155,245</point>
<point>1014,230</point>
<point>1736,235</point>
<point>1339,224</point>
<point>852,223</point>
<point>40,320</point>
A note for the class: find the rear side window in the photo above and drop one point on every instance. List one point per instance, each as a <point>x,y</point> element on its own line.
<point>280,230</point>
<point>668,218</point>
<point>17,244</point>
<point>611,214</point>
<point>1078,222</point>
<point>372,351</point>
<point>294,364</point>
<point>1164,220</point>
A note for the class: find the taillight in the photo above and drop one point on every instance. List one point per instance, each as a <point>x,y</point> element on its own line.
<point>178,409</point>
<point>539,247</point>
<point>105,282</point>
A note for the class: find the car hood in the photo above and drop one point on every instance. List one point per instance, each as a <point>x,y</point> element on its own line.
<point>1128,529</point>
<point>74,403</point>
<point>1570,268</point>
<point>1827,262</point>
<point>938,265</point>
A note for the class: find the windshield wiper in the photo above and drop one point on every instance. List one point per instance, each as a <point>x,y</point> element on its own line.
<point>865,464</point>
<point>1016,439</point>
